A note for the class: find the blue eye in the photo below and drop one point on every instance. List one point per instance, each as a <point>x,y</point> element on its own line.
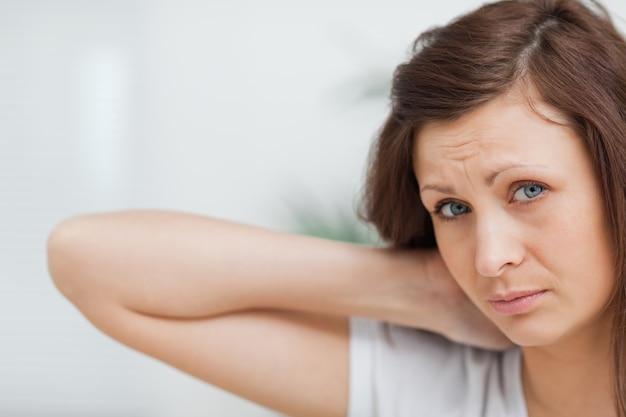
<point>528,192</point>
<point>452,209</point>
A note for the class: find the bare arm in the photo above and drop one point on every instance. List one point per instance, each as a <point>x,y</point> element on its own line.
<point>259,313</point>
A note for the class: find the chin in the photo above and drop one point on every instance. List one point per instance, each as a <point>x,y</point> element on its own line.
<point>532,340</point>
<point>527,333</point>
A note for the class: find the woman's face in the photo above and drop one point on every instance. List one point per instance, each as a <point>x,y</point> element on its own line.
<point>519,219</point>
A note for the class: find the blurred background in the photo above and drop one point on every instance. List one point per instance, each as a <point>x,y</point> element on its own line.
<point>258,112</point>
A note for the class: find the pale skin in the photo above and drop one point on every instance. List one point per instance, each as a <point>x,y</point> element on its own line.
<point>259,313</point>
<point>199,293</point>
<point>517,208</point>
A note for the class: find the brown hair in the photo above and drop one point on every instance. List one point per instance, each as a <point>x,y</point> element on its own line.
<point>574,59</point>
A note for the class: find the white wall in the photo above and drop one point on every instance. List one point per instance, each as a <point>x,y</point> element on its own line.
<point>235,109</point>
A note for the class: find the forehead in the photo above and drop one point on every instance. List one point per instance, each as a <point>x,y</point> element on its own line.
<point>506,130</point>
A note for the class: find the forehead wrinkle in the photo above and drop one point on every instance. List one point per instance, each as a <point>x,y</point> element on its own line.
<point>462,142</point>
<point>446,182</point>
<point>462,151</point>
<point>459,156</point>
<point>441,142</point>
<point>468,178</point>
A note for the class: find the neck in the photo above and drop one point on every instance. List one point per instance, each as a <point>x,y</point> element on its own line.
<point>570,378</point>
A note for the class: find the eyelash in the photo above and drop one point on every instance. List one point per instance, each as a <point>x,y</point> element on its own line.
<point>438,208</point>
<point>518,186</point>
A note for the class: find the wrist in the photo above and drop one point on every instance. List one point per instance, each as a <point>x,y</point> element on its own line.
<point>402,287</point>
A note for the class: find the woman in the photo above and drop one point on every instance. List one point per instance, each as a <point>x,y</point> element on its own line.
<point>506,143</point>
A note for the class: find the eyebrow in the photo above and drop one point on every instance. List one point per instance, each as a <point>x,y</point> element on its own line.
<point>489,179</point>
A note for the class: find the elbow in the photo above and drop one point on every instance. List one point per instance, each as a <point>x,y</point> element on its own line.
<point>65,251</point>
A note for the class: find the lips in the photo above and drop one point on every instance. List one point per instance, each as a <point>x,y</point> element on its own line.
<point>515,302</point>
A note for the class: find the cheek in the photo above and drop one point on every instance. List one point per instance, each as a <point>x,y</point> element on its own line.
<point>457,255</point>
<point>580,237</point>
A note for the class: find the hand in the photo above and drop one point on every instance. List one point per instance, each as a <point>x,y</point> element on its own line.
<point>427,297</point>
<point>466,324</point>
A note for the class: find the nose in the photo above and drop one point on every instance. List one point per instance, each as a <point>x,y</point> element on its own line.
<point>498,246</point>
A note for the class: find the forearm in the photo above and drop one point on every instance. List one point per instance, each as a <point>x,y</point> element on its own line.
<point>183,266</point>
<point>180,266</point>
